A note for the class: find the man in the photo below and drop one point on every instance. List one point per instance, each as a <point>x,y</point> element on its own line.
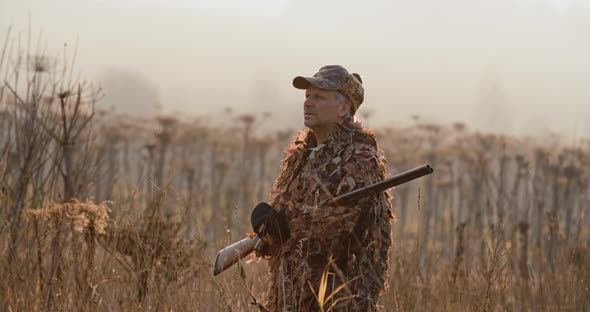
<point>347,245</point>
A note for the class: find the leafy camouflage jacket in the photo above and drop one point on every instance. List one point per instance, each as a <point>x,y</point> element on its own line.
<point>351,242</point>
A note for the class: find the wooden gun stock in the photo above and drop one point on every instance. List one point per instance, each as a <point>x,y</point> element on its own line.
<point>231,254</point>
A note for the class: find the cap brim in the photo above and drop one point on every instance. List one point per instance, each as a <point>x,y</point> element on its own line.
<point>300,82</point>
<point>303,83</point>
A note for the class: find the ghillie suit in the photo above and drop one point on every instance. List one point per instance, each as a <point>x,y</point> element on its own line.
<point>357,238</point>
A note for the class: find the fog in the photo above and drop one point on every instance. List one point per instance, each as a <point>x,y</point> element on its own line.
<point>510,66</point>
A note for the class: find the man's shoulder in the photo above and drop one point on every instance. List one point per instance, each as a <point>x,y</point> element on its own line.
<point>365,151</point>
<point>362,139</point>
<point>364,136</point>
<point>299,145</point>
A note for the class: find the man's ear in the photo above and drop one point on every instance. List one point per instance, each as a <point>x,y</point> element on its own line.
<point>344,108</point>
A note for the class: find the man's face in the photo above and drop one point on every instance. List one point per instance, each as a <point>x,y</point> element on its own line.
<point>321,109</point>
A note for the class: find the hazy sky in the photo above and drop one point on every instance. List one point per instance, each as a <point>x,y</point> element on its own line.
<point>507,65</point>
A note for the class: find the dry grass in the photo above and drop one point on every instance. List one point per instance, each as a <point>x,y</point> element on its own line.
<point>107,213</point>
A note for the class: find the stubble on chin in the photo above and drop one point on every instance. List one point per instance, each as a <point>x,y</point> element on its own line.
<point>308,121</point>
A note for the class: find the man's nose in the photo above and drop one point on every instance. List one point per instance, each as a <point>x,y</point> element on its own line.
<point>307,103</point>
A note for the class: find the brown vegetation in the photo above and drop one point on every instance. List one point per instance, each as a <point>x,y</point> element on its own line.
<point>104,212</point>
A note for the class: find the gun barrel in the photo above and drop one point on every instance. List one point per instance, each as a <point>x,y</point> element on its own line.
<point>396,180</point>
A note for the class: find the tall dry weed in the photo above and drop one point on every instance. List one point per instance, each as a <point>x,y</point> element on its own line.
<point>179,188</point>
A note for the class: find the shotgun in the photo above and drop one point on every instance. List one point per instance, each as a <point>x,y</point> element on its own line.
<point>231,254</point>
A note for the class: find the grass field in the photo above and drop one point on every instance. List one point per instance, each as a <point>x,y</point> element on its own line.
<point>111,213</point>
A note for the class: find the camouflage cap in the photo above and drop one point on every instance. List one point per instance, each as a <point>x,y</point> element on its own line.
<point>335,77</point>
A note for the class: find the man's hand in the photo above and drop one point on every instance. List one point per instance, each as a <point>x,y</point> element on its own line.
<point>263,248</point>
<point>271,226</point>
<point>265,236</point>
<point>267,221</point>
